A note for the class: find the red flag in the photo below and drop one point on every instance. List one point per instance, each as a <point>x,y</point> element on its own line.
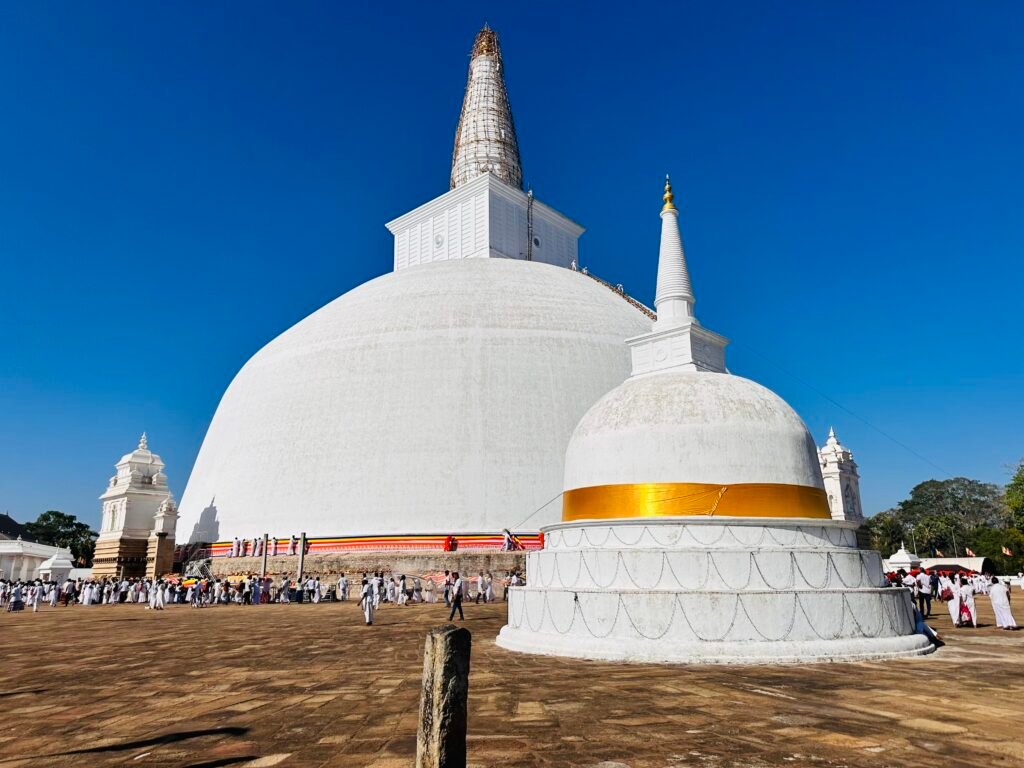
<point>1007,552</point>
<point>938,553</point>
<point>970,552</point>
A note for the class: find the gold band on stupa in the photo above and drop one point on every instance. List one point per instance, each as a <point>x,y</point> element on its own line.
<point>631,500</point>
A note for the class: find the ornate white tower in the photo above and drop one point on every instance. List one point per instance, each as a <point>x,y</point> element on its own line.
<point>130,506</point>
<point>842,483</point>
<point>485,213</point>
<point>677,340</point>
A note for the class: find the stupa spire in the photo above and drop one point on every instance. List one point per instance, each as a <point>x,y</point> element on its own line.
<point>673,300</point>
<point>143,443</point>
<point>677,341</point>
<point>485,141</point>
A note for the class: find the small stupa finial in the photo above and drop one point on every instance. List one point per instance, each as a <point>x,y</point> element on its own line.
<point>668,197</point>
<point>143,444</point>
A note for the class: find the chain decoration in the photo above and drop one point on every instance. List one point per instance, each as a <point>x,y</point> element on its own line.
<point>888,622</point>
<point>549,567</point>
<point>815,536</point>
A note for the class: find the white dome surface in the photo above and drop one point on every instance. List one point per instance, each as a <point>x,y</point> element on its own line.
<point>691,427</point>
<point>437,399</point>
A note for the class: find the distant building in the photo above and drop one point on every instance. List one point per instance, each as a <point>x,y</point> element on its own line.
<point>20,558</point>
<point>908,561</point>
<point>842,483</point>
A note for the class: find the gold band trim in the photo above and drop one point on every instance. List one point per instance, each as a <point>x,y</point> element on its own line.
<point>694,499</point>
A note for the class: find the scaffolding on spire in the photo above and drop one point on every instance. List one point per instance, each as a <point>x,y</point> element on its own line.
<point>485,141</point>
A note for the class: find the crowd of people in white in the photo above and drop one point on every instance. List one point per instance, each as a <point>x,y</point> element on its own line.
<point>958,592</point>
<point>156,594</point>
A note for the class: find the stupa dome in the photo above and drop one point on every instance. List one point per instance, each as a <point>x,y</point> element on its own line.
<point>692,443</point>
<point>434,399</point>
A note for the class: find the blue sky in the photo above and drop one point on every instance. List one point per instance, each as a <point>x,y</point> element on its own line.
<point>180,182</point>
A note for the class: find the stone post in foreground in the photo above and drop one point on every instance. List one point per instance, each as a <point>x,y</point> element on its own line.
<point>441,740</point>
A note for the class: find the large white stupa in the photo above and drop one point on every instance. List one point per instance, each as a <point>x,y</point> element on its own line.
<point>438,398</point>
<point>696,526</point>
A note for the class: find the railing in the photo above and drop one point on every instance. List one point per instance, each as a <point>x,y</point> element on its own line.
<point>619,290</point>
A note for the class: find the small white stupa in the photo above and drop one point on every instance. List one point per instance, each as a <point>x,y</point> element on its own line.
<point>58,567</point>
<point>908,561</point>
<point>695,524</point>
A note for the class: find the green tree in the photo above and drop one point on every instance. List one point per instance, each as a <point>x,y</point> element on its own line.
<point>61,530</point>
<point>960,502</point>
<point>1014,497</point>
<point>885,531</point>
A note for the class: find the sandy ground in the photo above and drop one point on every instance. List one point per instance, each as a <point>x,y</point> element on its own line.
<point>303,685</point>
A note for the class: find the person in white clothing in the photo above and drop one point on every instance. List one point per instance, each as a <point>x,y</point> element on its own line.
<point>910,582</point>
<point>481,586</point>
<point>457,594</point>
<point>924,593</point>
<point>366,601</point>
<point>488,588</point>
<point>968,614</point>
<point>342,588</point>
<point>999,594</point>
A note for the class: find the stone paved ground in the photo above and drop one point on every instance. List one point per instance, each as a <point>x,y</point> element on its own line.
<point>310,686</point>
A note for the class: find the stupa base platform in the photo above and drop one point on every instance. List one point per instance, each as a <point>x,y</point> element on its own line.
<point>749,652</point>
<point>709,590</point>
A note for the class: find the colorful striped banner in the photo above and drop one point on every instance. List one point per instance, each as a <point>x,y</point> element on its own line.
<point>338,544</point>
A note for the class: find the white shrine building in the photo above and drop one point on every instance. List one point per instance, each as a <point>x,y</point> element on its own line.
<point>842,483</point>
<point>138,518</point>
<point>28,560</point>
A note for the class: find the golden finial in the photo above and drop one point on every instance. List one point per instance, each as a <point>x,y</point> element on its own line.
<point>668,197</point>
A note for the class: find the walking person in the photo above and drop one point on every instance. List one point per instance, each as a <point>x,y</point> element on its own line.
<point>999,594</point>
<point>968,614</point>
<point>285,591</point>
<point>924,593</point>
<point>366,600</point>
<point>456,597</point>
<point>480,588</point>
<point>489,588</point>
<point>447,589</point>
<point>342,588</point>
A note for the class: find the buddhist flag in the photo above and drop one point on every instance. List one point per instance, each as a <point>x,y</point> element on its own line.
<point>938,553</point>
<point>1007,552</point>
<point>970,552</point>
